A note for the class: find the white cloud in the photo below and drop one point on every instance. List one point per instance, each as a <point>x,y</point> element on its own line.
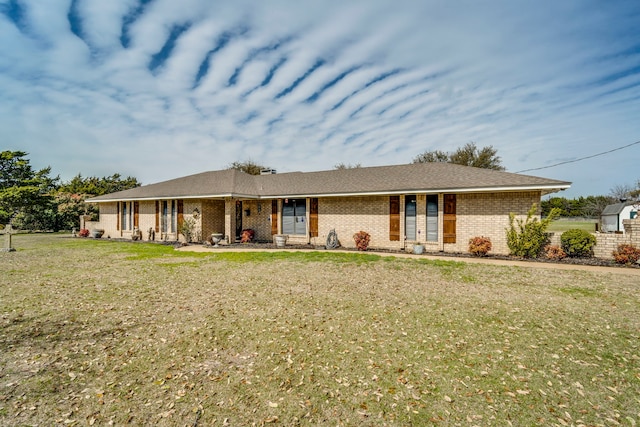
<point>538,83</point>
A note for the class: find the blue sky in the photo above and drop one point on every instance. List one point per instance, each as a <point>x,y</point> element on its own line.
<point>159,89</point>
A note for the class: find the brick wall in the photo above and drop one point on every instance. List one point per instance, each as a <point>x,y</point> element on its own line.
<point>350,215</point>
<point>212,218</point>
<point>487,214</point>
<point>606,243</point>
<point>258,219</point>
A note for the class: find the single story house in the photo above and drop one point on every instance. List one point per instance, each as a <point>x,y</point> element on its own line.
<point>441,205</point>
<point>613,215</point>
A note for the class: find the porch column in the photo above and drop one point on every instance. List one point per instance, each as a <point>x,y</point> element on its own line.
<point>230,219</point>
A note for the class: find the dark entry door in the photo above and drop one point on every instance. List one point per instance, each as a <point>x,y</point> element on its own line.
<point>238,219</point>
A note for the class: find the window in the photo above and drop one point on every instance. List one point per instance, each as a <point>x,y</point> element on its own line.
<point>130,216</point>
<point>294,216</point>
<point>173,216</point>
<point>432,218</point>
<point>124,216</point>
<point>410,217</point>
<point>165,212</point>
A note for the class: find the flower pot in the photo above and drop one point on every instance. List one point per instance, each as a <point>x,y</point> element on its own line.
<point>96,234</point>
<point>281,240</point>
<point>418,249</point>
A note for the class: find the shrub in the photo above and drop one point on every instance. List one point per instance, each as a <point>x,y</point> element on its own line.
<point>554,252</point>
<point>479,246</point>
<point>578,243</point>
<point>362,240</point>
<point>83,233</point>
<point>626,254</point>
<point>247,235</point>
<point>188,229</point>
<point>527,238</point>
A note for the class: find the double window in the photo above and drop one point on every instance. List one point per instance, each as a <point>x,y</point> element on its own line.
<point>128,215</point>
<point>294,216</point>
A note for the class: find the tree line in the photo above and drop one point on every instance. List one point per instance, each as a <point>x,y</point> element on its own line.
<point>34,200</point>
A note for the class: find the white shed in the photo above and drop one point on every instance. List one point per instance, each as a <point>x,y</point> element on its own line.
<point>612,216</point>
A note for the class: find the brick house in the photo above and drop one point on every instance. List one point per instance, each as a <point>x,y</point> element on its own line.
<point>441,205</point>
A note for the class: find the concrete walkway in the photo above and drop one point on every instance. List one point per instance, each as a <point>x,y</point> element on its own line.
<point>491,261</point>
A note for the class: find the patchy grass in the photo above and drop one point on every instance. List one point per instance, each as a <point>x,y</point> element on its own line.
<point>98,332</point>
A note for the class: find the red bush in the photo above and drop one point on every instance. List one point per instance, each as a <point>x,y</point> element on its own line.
<point>554,252</point>
<point>479,246</point>
<point>362,240</point>
<point>247,235</point>
<point>83,233</point>
<point>626,254</point>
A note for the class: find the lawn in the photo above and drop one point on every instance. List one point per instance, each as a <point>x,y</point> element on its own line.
<point>564,224</point>
<point>102,332</point>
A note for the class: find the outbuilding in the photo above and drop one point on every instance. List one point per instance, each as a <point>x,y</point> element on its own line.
<point>613,215</point>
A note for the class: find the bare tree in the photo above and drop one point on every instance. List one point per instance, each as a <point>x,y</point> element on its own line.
<point>621,191</point>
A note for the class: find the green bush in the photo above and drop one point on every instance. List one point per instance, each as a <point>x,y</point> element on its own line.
<point>577,243</point>
<point>529,237</point>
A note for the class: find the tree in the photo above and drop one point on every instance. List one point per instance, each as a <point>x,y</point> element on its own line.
<point>469,155</point>
<point>248,166</point>
<point>636,193</point>
<point>585,207</point>
<point>95,186</point>
<point>621,191</point>
<point>23,191</point>
<point>432,157</point>
<point>70,197</point>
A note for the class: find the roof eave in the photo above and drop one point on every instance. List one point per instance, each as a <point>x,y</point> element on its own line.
<point>544,189</point>
<point>160,197</point>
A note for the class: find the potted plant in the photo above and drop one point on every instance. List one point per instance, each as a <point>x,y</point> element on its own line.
<point>97,233</point>
<point>281,240</point>
<point>418,248</point>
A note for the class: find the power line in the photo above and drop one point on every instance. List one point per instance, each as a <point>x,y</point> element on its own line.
<point>580,159</point>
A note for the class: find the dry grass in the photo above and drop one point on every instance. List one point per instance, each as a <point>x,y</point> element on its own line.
<point>98,333</point>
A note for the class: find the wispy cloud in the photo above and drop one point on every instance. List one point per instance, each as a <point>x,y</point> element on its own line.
<point>159,89</point>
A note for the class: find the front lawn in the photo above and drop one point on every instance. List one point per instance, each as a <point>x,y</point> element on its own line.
<point>98,332</point>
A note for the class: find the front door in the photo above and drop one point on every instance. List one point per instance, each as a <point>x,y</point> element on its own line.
<point>238,219</point>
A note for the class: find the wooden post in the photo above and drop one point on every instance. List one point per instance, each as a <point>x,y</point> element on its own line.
<point>7,240</point>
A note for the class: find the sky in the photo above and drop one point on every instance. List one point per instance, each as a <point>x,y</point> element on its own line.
<point>159,89</point>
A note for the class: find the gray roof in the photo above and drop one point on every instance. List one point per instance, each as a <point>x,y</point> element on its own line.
<point>616,208</point>
<point>398,179</point>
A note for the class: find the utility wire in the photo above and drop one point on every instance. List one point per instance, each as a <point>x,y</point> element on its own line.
<point>580,159</point>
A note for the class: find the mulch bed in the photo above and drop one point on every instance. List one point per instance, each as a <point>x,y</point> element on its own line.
<point>598,262</point>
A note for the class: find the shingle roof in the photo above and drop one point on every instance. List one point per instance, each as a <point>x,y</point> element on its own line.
<point>411,178</point>
<point>616,208</point>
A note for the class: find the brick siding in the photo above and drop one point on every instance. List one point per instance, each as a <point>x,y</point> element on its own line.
<point>485,214</point>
